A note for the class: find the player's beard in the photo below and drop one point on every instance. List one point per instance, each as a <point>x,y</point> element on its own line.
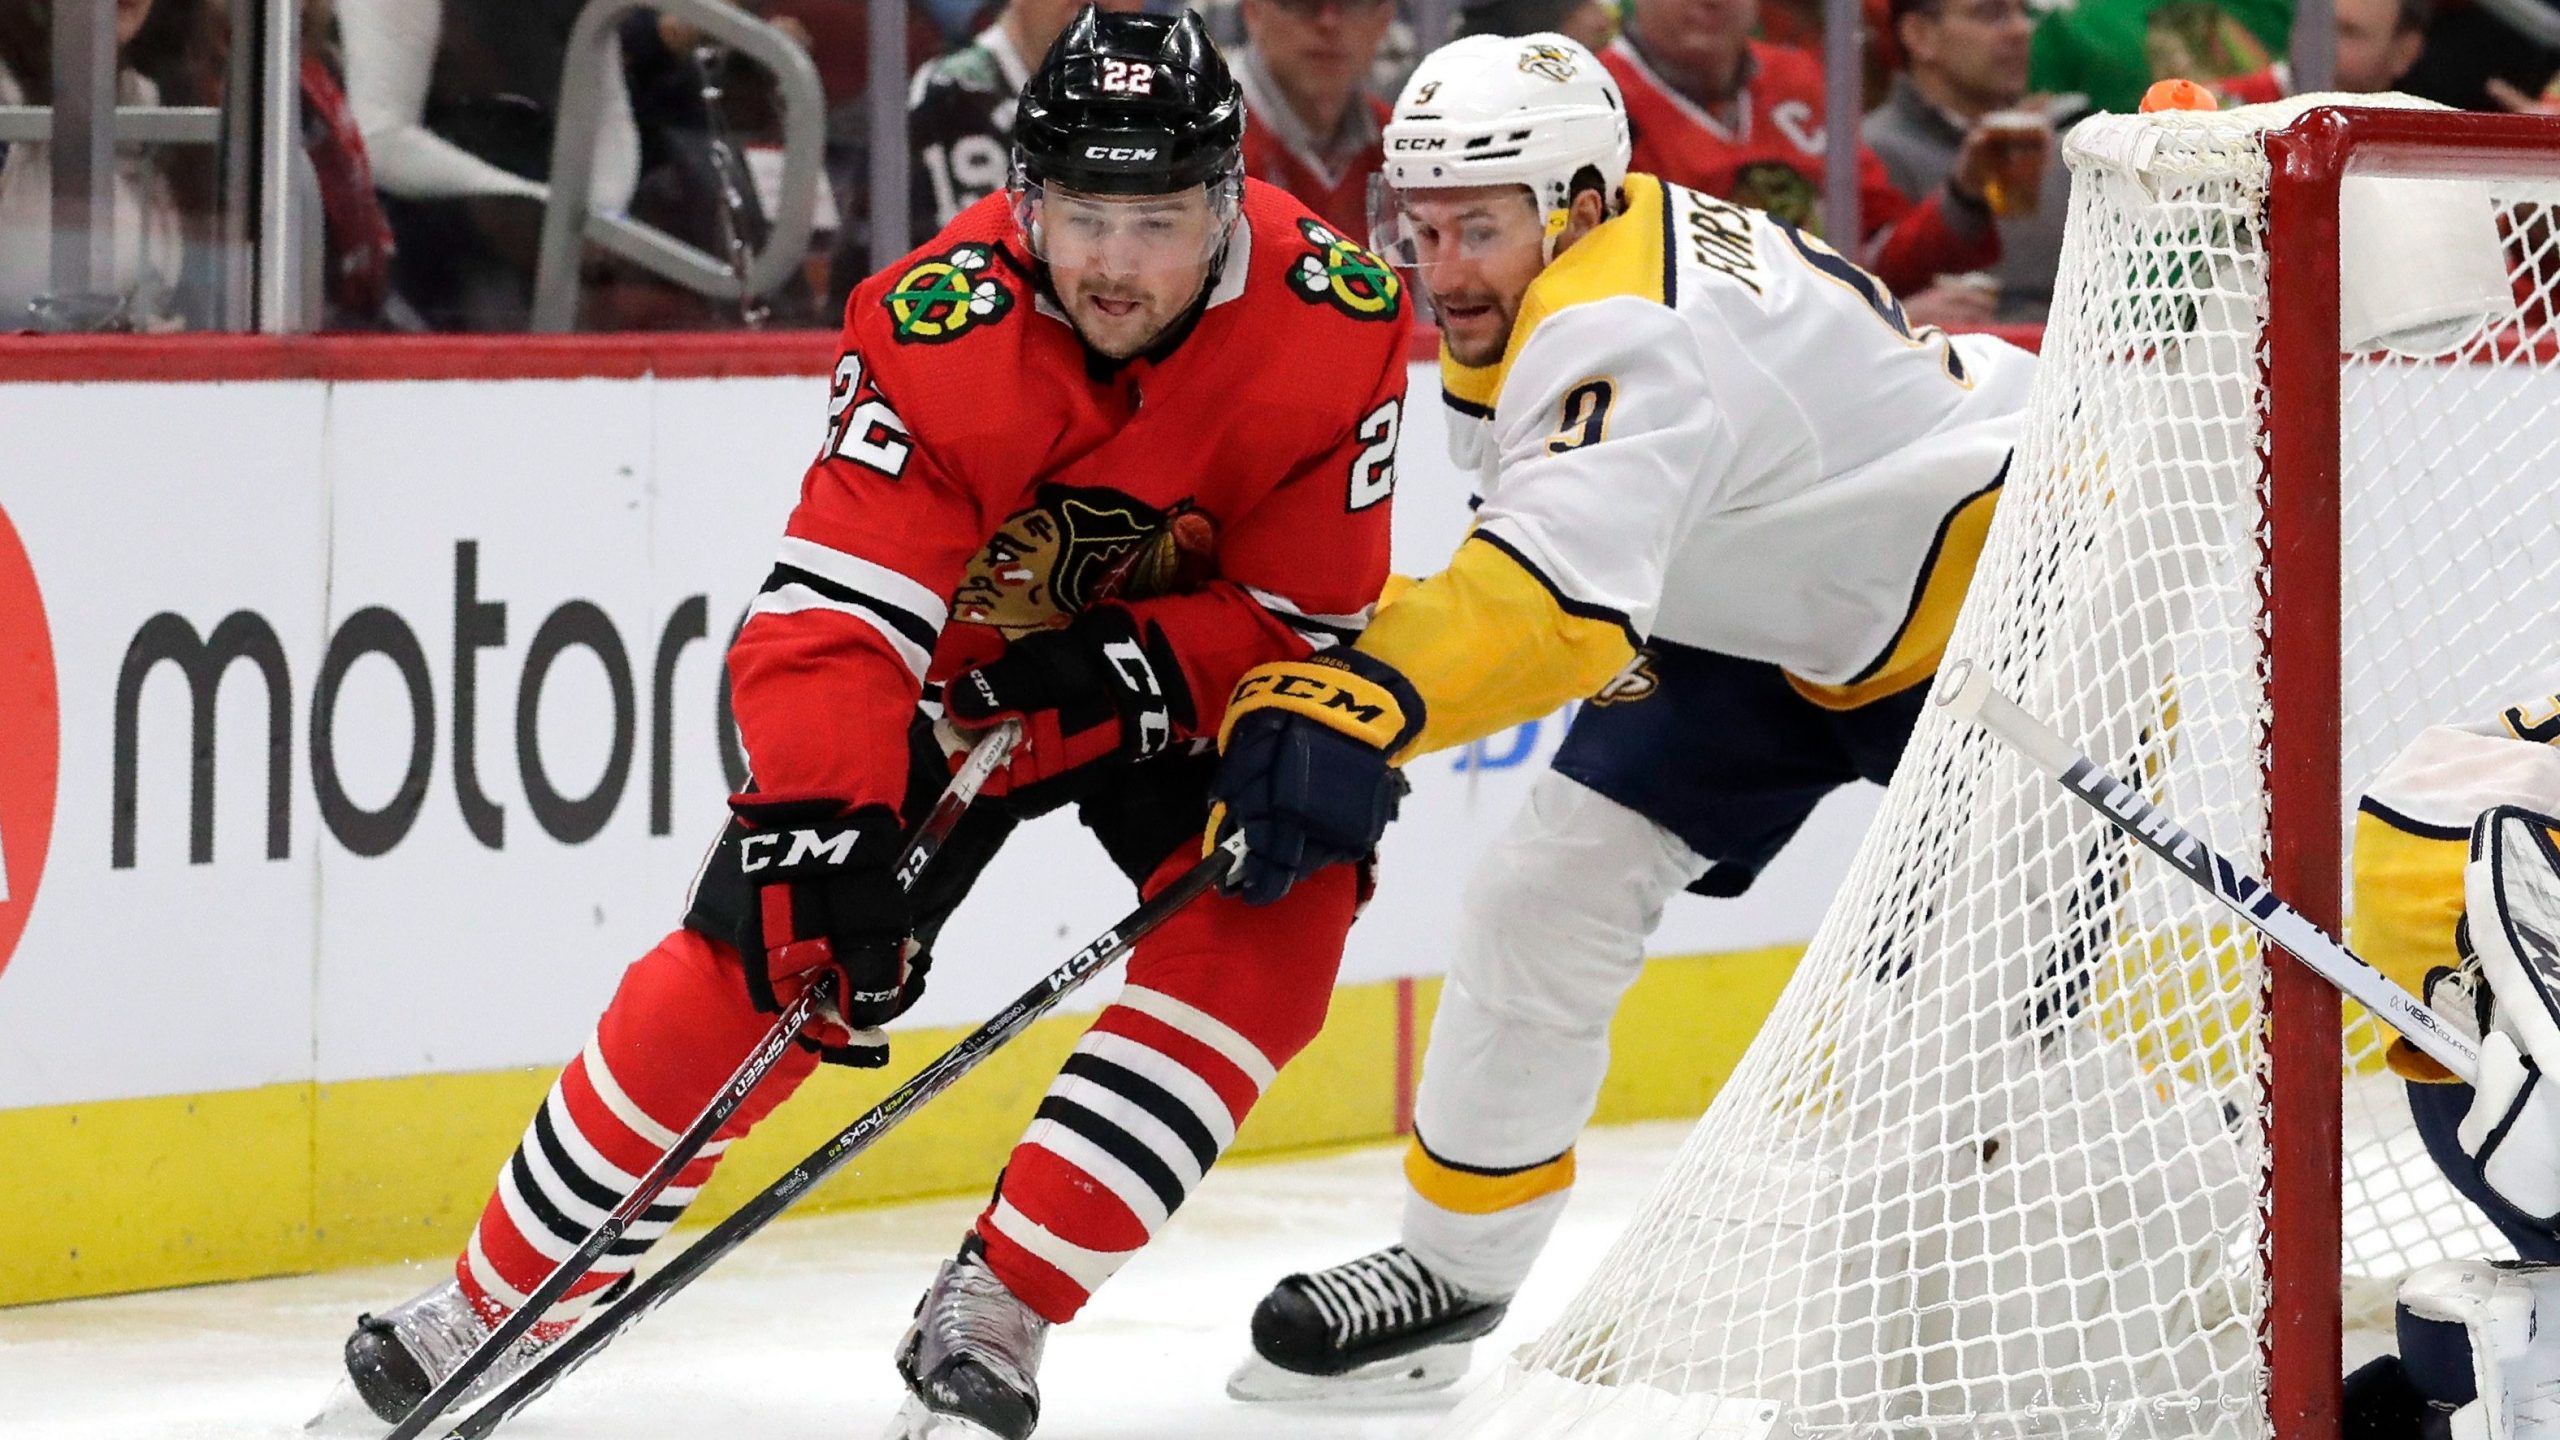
<point>1119,318</point>
<point>1475,324</point>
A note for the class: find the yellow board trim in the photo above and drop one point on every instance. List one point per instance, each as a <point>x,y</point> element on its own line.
<point>1467,1192</point>
<point>1921,643</point>
<point>123,1195</point>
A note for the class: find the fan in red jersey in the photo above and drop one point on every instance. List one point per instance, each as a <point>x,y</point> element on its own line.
<point>1719,112</point>
<point>1106,443</point>
<point>1315,127</point>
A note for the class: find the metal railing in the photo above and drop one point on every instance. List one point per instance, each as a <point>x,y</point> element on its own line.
<point>570,218</point>
<point>270,261</point>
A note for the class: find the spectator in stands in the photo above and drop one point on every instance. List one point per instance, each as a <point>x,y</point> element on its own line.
<point>706,178</point>
<point>1717,111</point>
<point>2476,58</point>
<point>2378,40</point>
<point>1592,22</point>
<point>1967,60</point>
<point>356,279</point>
<point>1311,129</point>
<point>150,199</point>
<point>2111,50</point>
<point>456,100</point>
<point>959,130</point>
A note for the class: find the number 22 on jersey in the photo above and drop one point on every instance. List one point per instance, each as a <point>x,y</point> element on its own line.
<point>862,428</point>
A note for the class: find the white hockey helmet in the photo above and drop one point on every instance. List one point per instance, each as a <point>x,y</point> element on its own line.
<point>1533,110</point>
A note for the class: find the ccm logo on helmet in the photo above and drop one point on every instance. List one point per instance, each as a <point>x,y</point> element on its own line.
<point>1420,142</point>
<point>1119,152</point>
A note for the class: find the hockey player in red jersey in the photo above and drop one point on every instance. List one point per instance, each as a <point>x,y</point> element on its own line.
<point>1134,344</point>
<point>1719,112</point>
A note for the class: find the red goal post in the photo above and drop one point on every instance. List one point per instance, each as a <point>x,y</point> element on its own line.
<point>2033,1144</point>
<point>2310,158</point>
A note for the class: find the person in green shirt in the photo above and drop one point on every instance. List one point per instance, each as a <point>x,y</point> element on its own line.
<point>2111,50</point>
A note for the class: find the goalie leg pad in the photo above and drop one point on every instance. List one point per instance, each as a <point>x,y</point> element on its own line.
<point>2487,1318</point>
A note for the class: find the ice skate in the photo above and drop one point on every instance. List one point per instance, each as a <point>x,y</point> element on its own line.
<point>1383,1324</point>
<point>394,1358</point>
<point>971,1359</point>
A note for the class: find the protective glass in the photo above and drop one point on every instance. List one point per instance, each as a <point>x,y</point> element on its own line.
<point>1422,229</point>
<point>1124,234</point>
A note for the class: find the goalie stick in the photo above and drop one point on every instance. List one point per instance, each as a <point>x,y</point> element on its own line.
<point>1966,690</point>
<point>984,757</point>
<point>769,1203</point>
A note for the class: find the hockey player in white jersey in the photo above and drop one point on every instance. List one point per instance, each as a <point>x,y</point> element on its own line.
<point>2457,895</point>
<point>1731,495</point>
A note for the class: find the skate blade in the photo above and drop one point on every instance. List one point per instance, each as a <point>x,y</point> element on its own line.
<point>915,1421</point>
<point>1436,1368</point>
<point>344,1416</point>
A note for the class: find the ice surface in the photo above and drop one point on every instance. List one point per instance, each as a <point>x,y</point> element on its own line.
<point>791,1336</point>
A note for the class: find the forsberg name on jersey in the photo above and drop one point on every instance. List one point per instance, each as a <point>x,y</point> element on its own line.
<point>1719,237</point>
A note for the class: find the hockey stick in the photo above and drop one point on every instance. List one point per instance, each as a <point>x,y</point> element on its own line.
<point>711,63</point>
<point>928,840</point>
<point>932,1080</point>
<point>1966,690</point>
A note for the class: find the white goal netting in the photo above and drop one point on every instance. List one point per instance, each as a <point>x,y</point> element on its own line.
<point>1995,1165</point>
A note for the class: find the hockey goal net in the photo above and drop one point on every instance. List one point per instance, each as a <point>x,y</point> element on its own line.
<point>2037,1141</point>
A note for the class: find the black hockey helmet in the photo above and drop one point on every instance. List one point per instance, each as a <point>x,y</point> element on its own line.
<point>1130,105</point>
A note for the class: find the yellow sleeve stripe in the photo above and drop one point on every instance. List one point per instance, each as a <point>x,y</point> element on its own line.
<point>2408,896</point>
<point>1579,609</point>
<point>1466,1190</point>
<point>1487,644</point>
<point>1921,643</point>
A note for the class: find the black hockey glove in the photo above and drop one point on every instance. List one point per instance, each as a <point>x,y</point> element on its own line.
<point>825,901</point>
<point>1307,766</point>
<point>1097,690</point>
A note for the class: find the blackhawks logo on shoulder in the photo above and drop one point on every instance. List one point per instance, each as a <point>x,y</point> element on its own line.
<point>1344,276</point>
<point>948,296</point>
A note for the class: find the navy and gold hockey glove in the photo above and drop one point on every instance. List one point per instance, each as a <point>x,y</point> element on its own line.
<point>825,900</point>
<point>1307,766</point>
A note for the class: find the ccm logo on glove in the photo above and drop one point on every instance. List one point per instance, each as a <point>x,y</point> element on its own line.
<point>807,847</point>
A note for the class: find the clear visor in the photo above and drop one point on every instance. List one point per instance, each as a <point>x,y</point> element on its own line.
<point>1124,234</point>
<point>1424,230</point>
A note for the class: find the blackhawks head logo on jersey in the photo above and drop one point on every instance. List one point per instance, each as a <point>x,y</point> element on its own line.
<point>947,296</point>
<point>1073,547</point>
<point>1343,275</point>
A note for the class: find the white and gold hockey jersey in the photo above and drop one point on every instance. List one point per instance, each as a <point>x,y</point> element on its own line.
<point>1712,429</point>
<point>2413,834</point>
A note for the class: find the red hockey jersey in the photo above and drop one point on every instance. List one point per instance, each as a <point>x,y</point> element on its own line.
<point>1773,160</point>
<point>985,477</point>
